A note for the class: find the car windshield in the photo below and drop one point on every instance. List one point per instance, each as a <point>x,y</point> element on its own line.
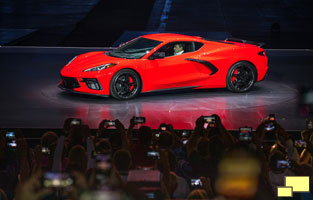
<point>135,49</point>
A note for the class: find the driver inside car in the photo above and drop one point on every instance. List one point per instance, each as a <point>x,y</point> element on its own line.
<point>178,49</point>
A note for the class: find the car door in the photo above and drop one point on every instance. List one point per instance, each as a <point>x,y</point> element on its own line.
<point>173,71</point>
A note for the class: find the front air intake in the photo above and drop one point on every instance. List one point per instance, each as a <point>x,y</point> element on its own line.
<point>92,83</point>
<point>70,83</point>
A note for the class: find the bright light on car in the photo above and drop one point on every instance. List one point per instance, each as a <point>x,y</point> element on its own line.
<point>100,67</point>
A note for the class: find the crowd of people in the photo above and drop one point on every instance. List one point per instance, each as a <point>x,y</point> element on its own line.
<point>140,163</point>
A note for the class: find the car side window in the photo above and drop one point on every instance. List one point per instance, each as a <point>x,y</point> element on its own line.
<point>198,45</point>
<point>178,48</point>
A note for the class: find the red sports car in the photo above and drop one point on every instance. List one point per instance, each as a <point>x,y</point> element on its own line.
<point>165,61</point>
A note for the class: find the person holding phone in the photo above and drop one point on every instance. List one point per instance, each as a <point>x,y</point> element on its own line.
<point>139,150</point>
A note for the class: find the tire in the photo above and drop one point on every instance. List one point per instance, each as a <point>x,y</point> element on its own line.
<point>241,77</point>
<point>125,84</point>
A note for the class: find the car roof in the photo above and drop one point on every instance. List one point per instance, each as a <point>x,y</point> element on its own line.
<point>167,37</point>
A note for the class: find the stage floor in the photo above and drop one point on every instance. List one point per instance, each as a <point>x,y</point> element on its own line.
<point>30,97</point>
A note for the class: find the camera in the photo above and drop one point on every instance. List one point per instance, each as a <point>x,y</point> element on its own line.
<point>245,134</point>
<point>57,180</point>
<point>195,182</point>
<point>153,154</point>
<point>283,164</point>
<point>110,123</point>
<point>76,121</point>
<point>139,120</point>
<point>210,120</point>
<point>300,143</point>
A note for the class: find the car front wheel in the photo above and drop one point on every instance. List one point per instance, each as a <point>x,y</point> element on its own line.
<point>241,77</point>
<point>125,84</point>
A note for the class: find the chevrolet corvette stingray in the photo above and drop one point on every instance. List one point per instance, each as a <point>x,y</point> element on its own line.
<point>151,63</point>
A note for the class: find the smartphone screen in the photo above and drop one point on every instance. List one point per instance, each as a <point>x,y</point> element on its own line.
<point>110,123</point>
<point>140,120</point>
<point>245,134</point>
<point>163,128</point>
<point>10,139</point>
<point>76,121</point>
<point>282,164</point>
<point>269,127</point>
<point>45,150</point>
<point>10,135</point>
<point>57,180</point>
<point>195,182</point>
<point>153,154</point>
<point>300,143</point>
<point>185,133</point>
<point>209,119</point>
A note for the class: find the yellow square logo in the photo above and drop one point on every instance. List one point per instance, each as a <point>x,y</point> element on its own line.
<point>284,191</point>
<point>298,183</point>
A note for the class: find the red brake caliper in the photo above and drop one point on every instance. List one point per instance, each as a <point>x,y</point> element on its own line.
<point>233,78</point>
<point>131,81</point>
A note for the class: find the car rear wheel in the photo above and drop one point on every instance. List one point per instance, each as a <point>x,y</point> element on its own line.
<point>125,84</point>
<point>241,77</point>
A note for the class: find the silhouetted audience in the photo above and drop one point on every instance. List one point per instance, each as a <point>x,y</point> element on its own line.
<point>206,163</point>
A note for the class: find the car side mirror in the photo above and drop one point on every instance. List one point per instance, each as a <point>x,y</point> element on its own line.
<point>157,55</point>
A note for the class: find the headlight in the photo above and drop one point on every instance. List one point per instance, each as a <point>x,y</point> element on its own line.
<point>100,67</point>
<point>71,60</point>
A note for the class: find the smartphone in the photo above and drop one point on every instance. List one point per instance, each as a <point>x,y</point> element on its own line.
<point>283,164</point>
<point>300,143</point>
<point>10,135</point>
<point>76,121</point>
<point>185,133</point>
<point>163,128</point>
<point>150,195</point>
<point>185,142</point>
<point>45,150</point>
<point>57,180</point>
<point>309,124</point>
<point>245,133</point>
<point>210,120</point>
<point>206,125</point>
<point>10,139</point>
<point>269,126</point>
<point>140,120</point>
<point>157,134</point>
<point>103,170</point>
<point>12,144</point>
<point>109,123</point>
<point>153,154</point>
<point>271,117</point>
<point>103,162</point>
<point>195,182</point>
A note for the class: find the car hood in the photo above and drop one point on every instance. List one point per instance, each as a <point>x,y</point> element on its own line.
<point>92,59</point>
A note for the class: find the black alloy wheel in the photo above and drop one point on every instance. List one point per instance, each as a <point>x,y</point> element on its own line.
<point>125,84</point>
<point>241,77</point>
